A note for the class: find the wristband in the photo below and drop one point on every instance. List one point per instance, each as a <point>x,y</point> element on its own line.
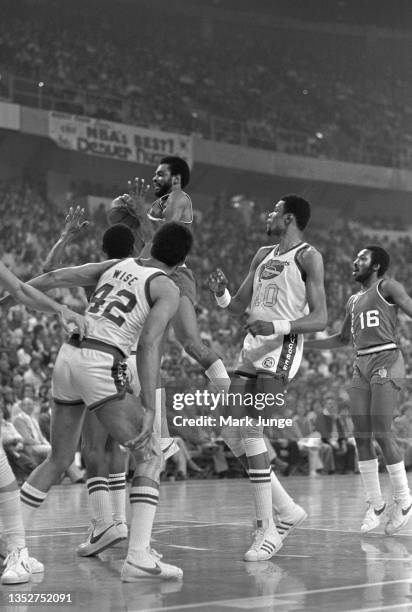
<point>281,326</point>
<point>223,300</point>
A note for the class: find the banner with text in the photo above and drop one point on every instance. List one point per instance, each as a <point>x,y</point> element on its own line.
<point>117,140</point>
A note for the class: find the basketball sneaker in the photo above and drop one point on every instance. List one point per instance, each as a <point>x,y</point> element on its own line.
<point>168,447</point>
<point>122,529</point>
<point>372,518</point>
<point>146,564</point>
<point>288,520</point>
<point>18,567</point>
<point>266,543</point>
<point>98,541</point>
<point>399,515</point>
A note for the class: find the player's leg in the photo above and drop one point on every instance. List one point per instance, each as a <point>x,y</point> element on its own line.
<point>187,332</point>
<point>66,426</point>
<point>117,484</point>
<point>360,400</point>
<point>122,417</point>
<point>18,566</point>
<point>384,400</point>
<point>103,532</point>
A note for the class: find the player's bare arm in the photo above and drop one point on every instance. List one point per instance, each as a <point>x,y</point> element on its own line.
<point>342,338</point>
<point>312,265</point>
<point>32,298</point>
<point>395,292</point>
<point>240,301</point>
<point>74,223</point>
<point>76,276</point>
<point>165,297</point>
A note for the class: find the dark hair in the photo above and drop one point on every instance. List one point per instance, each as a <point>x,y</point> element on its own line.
<point>298,207</point>
<point>171,243</point>
<point>118,241</point>
<point>379,257</point>
<point>178,165</point>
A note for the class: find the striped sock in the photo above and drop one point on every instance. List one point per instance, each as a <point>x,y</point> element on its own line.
<point>262,495</point>
<point>99,501</point>
<point>32,499</point>
<point>143,500</point>
<point>117,488</point>
<point>10,506</point>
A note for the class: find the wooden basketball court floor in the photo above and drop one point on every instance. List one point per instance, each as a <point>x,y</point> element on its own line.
<point>204,527</point>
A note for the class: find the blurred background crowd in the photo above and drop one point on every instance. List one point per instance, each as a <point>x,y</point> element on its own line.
<point>338,92</point>
<point>321,439</point>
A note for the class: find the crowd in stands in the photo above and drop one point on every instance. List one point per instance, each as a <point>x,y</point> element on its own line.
<point>318,93</point>
<point>321,439</point>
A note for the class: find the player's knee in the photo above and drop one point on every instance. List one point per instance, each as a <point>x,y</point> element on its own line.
<point>94,459</point>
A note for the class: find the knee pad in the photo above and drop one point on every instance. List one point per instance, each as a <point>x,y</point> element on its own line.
<point>254,446</point>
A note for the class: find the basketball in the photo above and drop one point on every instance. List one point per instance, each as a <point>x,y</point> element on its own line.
<point>119,212</point>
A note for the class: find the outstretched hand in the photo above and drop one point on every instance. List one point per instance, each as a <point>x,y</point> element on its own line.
<point>218,282</point>
<point>74,322</point>
<point>75,221</point>
<point>142,444</point>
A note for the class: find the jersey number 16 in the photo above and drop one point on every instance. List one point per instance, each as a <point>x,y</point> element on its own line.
<point>369,319</point>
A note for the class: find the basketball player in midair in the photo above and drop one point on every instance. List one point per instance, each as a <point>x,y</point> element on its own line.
<point>285,292</point>
<point>378,375</point>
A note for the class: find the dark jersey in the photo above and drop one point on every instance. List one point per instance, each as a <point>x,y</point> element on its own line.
<point>373,318</point>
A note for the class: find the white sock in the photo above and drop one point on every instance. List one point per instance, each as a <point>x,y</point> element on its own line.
<point>99,500</point>
<point>31,499</point>
<point>218,375</point>
<point>281,500</point>
<point>399,482</point>
<point>143,501</point>
<point>370,477</point>
<point>262,495</point>
<point>117,488</point>
<point>10,506</point>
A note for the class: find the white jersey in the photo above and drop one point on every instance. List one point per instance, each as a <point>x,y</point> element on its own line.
<point>120,304</point>
<point>279,292</point>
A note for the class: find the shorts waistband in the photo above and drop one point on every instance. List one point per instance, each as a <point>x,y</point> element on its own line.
<point>389,346</point>
<point>97,345</point>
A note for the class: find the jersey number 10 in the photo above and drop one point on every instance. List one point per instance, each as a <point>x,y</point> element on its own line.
<point>369,319</point>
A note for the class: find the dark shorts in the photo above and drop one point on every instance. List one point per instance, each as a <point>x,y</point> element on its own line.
<point>184,279</point>
<point>378,369</point>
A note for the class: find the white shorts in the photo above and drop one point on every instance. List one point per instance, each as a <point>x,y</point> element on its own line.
<point>132,376</point>
<point>280,356</point>
<point>92,375</point>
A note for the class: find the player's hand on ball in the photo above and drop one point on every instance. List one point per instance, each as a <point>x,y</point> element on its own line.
<point>218,282</point>
<point>259,328</point>
<point>75,221</point>
<point>74,322</point>
<point>138,188</point>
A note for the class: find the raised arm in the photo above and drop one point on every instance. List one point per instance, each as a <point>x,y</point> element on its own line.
<point>73,224</point>
<point>165,298</point>
<point>238,303</point>
<point>32,298</point>
<point>76,276</point>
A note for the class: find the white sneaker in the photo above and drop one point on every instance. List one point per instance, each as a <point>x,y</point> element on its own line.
<point>399,515</point>
<point>147,564</point>
<point>18,567</point>
<point>97,542</point>
<point>372,518</point>
<point>168,447</point>
<point>122,529</point>
<point>266,543</point>
<point>288,521</point>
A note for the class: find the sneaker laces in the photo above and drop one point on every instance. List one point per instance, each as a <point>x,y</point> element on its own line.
<point>258,537</point>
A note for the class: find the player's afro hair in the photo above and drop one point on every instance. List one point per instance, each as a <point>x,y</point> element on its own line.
<point>178,165</point>
<point>379,257</point>
<point>299,207</point>
<point>118,241</point>
<point>172,243</point>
